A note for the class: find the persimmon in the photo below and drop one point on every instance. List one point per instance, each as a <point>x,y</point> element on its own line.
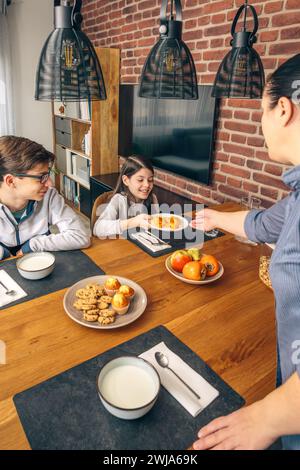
<point>194,270</point>
<point>211,264</point>
<point>178,259</point>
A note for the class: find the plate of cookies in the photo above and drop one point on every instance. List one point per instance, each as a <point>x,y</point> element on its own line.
<point>105,302</point>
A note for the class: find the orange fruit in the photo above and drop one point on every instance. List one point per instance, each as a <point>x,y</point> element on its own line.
<point>211,263</point>
<point>194,270</point>
<point>178,259</point>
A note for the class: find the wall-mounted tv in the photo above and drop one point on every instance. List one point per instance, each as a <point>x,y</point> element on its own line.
<point>176,135</point>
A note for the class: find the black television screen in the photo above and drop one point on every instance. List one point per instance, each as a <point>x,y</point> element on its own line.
<point>176,135</point>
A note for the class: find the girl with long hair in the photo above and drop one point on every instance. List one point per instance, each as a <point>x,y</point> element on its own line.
<point>132,202</point>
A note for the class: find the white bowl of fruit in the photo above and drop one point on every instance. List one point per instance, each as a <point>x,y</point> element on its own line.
<point>193,267</point>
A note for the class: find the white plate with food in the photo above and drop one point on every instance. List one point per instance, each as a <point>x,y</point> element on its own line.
<point>168,222</point>
<point>181,277</point>
<point>89,302</point>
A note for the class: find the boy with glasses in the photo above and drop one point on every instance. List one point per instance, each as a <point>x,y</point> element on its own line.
<point>29,204</point>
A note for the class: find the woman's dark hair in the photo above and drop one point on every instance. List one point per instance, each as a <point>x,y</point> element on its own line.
<point>133,164</point>
<point>284,81</point>
<point>18,155</point>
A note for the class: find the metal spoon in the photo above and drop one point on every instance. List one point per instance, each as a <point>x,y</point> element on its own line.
<point>7,291</point>
<point>163,361</point>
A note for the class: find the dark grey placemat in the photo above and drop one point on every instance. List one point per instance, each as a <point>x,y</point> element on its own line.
<point>190,238</point>
<point>70,267</point>
<point>65,412</point>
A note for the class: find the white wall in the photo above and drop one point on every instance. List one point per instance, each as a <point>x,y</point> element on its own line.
<point>30,22</point>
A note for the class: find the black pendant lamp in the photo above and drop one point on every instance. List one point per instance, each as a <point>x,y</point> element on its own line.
<point>169,71</point>
<point>241,73</point>
<point>69,69</point>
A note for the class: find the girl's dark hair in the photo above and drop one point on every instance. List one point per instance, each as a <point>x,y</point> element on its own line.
<point>18,155</point>
<point>133,164</point>
<point>282,82</point>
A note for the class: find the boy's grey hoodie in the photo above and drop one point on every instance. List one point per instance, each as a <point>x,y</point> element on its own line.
<point>32,231</point>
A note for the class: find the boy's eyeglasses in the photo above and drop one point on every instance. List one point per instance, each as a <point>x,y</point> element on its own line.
<point>41,178</point>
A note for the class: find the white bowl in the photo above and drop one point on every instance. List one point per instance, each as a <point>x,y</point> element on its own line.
<point>181,277</point>
<point>128,387</point>
<point>36,266</point>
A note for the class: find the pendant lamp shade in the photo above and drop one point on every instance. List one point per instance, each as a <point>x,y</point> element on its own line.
<point>241,73</point>
<point>169,71</point>
<point>69,69</point>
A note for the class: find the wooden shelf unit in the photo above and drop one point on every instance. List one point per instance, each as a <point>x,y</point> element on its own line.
<point>69,129</point>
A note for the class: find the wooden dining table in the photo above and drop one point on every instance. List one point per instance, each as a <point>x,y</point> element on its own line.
<point>229,323</point>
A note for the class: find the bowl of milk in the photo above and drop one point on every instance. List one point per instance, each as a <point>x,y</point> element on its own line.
<point>128,387</point>
<point>36,266</point>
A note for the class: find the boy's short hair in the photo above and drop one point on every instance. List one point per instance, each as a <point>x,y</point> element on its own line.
<point>18,155</point>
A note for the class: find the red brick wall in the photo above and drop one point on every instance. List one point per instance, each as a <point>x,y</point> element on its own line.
<point>241,163</point>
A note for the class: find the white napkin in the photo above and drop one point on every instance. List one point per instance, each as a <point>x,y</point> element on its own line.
<point>11,285</point>
<point>175,387</point>
<point>148,244</point>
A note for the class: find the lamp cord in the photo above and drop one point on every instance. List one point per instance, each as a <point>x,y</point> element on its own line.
<point>245,16</point>
<point>172,4</point>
